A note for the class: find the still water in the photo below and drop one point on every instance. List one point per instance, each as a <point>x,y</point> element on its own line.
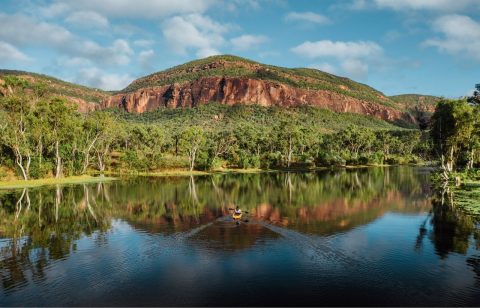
<point>375,236</point>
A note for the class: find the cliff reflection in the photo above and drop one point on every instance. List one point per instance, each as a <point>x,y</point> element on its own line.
<point>41,225</point>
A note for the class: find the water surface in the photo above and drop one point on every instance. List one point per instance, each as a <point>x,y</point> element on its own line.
<point>371,236</point>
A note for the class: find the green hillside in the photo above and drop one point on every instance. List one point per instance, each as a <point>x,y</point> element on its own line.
<point>57,86</point>
<point>218,116</point>
<point>233,66</point>
<point>411,100</point>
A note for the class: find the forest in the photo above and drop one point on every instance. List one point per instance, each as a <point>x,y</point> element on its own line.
<point>42,135</point>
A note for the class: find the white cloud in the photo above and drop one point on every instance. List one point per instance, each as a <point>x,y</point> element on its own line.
<point>145,57</point>
<point>95,77</point>
<point>325,67</point>
<point>143,43</point>
<point>461,36</point>
<point>339,49</point>
<point>355,68</point>
<point>20,30</point>
<point>354,58</point>
<point>87,19</point>
<point>117,54</point>
<point>52,10</point>
<point>435,5</point>
<point>140,8</point>
<point>246,41</point>
<point>72,62</point>
<point>307,17</point>
<point>23,30</point>
<point>445,6</point>
<point>9,53</point>
<point>196,32</point>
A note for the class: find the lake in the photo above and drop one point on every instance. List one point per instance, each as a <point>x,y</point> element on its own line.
<point>371,236</point>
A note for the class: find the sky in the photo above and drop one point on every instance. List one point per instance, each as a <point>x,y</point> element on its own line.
<point>396,46</point>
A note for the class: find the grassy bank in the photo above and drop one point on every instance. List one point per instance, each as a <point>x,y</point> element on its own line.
<point>182,172</point>
<point>83,179</point>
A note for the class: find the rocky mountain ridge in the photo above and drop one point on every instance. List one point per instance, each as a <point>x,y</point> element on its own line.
<point>233,80</point>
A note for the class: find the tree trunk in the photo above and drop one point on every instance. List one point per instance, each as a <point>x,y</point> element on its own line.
<point>58,161</point>
<point>101,165</point>
<point>192,155</point>
<point>87,154</point>
<point>289,154</point>
<point>27,167</point>
<point>471,159</point>
<point>19,162</point>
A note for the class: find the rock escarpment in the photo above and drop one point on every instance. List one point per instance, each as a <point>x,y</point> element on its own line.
<point>238,90</point>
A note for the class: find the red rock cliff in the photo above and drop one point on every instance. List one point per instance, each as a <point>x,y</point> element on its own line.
<point>232,90</point>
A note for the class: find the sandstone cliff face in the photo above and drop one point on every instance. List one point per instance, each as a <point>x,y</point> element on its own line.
<point>232,90</point>
<point>82,105</point>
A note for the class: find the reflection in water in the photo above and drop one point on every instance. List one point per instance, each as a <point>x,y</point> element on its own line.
<point>39,226</point>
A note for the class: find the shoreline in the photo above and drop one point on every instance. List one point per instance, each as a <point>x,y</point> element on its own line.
<point>112,175</point>
<point>81,179</point>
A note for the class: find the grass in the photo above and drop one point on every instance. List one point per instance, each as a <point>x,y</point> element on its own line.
<point>82,179</point>
<point>182,172</point>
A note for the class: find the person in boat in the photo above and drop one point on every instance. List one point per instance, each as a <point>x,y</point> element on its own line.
<point>237,210</point>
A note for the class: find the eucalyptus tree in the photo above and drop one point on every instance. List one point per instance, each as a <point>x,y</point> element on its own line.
<point>16,131</point>
<point>63,122</point>
<point>452,127</point>
<point>192,140</point>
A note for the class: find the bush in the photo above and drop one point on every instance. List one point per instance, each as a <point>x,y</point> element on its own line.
<point>329,159</point>
<point>38,171</point>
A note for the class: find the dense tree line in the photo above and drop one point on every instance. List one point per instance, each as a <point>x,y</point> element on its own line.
<point>42,136</point>
<point>455,133</point>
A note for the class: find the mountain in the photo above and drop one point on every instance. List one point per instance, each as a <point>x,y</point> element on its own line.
<point>87,99</point>
<point>233,80</point>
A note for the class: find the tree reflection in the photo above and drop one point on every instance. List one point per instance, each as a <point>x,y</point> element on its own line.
<point>452,228</point>
<point>43,224</point>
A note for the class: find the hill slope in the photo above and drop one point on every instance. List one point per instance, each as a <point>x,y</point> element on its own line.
<point>233,80</point>
<point>86,98</point>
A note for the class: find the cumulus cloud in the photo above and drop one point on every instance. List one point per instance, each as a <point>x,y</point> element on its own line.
<point>87,19</point>
<point>325,67</point>
<point>20,30</point>
<point>145,58</point>
<point>339,49</point>
<point>353,57</point>
<point>355,68</point>
<point>143,43</point>
<point>95,77</point>
<point>139,8</point>
<point>435,5</point>
<point>117,54</point>
<point>9,53</point>
<point>196,32</point>
<point>246,41</point>
<point>445,6</point>
<point>461,36</point>
<point>307,17</point>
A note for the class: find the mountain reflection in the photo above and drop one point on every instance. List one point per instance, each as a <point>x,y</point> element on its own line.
<point>41,225</point>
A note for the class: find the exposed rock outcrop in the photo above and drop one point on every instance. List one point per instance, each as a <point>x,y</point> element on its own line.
<point>233,90</point>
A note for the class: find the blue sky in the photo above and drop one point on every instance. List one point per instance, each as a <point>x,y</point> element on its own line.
<point>395,46</point>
